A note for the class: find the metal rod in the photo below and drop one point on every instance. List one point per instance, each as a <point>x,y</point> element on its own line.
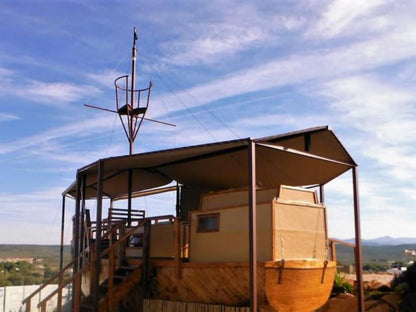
<point>76,232</point>
<point>252,224</point>
<point>98,233</point>
<point>322,193</point>
<point>147,119</point>
<point>133,84</point>
<point>129,195</point>
<point>61,252</point>
<point>358,248</point>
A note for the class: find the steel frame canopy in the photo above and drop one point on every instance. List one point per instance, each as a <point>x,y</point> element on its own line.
<point>308,157</point>
<point>312,156</point>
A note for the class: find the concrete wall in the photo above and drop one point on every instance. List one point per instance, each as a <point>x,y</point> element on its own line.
<point>11,297</point>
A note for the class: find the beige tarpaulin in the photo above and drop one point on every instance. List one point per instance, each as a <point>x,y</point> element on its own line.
<point>312,156</point>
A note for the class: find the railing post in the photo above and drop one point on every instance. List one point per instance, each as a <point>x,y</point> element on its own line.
<point>177,247</point>
<point>77,293</point>
<point>59,304</point>
<point>28,303</point>
<point>43,307</point>
<point>333,250</point>
<point>110,278</point>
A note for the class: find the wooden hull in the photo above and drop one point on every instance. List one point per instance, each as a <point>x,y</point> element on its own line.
<point>298,285</point>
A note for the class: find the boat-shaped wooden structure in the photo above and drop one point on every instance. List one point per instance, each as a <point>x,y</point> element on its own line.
<point>249,228</point>
<point>241,236</point>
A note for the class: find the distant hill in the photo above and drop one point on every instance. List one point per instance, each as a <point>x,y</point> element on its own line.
<point>50,253</point>
<point>386,241</point>
<point>375,253</point>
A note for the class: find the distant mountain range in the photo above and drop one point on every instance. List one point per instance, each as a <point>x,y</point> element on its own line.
<point>385,241</point>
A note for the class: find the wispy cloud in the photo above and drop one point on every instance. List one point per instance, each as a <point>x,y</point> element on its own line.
<point>235,28</point>
<point>343,16</point>
<point>17,207</point>
<point>298,69</point>
<point>58,93</point>
<point>7,117</point>
<point>105,79</point>
<point>88,127</point>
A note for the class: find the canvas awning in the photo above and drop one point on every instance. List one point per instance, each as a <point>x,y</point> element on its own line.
<point>306,157</point>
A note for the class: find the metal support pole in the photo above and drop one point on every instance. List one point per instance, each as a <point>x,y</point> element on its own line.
<point>178,201</point>
<point>358,248</point>
<point>129,194</point>
<point>82,220</point>
<point>61,252</point>
<point>321,194</point>
<point>75,239</point>
<point>133,83</point>
<point>98,233</point>
<point>252,219</point>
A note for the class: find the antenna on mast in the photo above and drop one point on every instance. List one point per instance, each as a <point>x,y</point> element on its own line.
<point>129,101</point>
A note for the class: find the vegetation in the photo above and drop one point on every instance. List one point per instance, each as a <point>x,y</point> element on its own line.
<point>22,273</point>
<point>48,253</point>
<point>405,286</point>
<point>376,258</point>
<point>341,285</point>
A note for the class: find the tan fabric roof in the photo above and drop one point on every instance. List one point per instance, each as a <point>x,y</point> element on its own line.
<point>281,159</point>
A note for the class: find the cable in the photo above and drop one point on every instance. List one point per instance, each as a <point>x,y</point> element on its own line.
<point>195,100</point>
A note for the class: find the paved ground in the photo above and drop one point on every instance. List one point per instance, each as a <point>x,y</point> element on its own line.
<point>381,278</point>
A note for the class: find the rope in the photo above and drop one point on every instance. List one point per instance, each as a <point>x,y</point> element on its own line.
<point>282,249</point>
<point>195,100</point>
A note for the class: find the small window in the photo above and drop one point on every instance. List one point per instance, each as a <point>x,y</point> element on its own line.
<point>209,223</point>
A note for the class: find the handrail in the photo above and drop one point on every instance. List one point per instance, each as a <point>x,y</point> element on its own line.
<point>111,251</point>
<point>112,247</point>
<point>49,281</point>
<point>337,241</point>
<point>42,303</point>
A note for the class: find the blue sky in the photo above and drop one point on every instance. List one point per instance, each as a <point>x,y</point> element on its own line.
<point>221,70</point>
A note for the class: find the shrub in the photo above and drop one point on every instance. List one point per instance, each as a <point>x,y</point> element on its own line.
<point>341,285</point>
<point>405,286</point>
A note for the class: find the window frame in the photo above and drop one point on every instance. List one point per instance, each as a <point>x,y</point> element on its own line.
<point>208,215</point>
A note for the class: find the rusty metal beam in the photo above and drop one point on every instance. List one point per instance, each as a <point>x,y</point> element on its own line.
<point>61,251</point>
<point>97,259</point>
<point>358,248</point>
<point>252,224</point>
<point>76,231</point>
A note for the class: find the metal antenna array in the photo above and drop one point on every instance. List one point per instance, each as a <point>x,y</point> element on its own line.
<point>128,101</point>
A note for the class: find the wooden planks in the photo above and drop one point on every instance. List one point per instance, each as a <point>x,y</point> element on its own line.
<point>156,305</point>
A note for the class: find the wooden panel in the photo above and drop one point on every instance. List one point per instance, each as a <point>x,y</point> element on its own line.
<point>297,194</point>
<point>155,305</point>
<point>226,284</point>
<point>162,240</point>
<point>234,198</point>
<point>299,231</point>
<point>231,241</point>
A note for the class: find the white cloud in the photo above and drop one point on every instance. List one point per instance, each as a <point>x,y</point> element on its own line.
<point>385,113</point>
<point>89,127</point>
<point>235,28</point>
<point>18,216</point>
<point>342,16</point>
<point>296,69</point>
<point>106,78</point>
<point>7,117</point>
<point>58,93</point>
